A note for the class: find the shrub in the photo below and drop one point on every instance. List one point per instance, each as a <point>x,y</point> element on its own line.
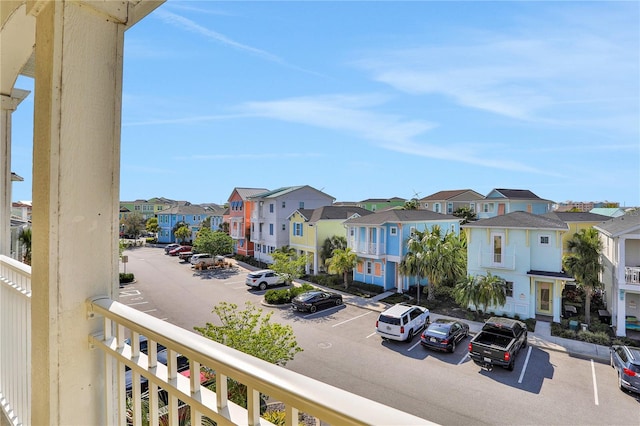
<point>284,296</point>
<point>126,278</point>
<point>531,324</point>
<point>598,338</point>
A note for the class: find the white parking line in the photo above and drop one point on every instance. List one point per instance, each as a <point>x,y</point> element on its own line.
<point>150,310</point>
<point>130,292</point>
<point>372,334</point>
<point>464,358</point>
<point>344,322</point>
<point>139,303</point>
<point>526,361</point>
<point>413,346</point>
<point>595,384</point>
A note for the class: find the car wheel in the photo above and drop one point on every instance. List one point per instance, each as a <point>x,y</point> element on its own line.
<point>466,333</point>
<point>453,346</point>
<point>262,286</point>
<point>313,308</point>
<point>510,366</point>
<point>409,336</point>
<point>611,360</point>
<point>620,385</point>
<point>338,302</point>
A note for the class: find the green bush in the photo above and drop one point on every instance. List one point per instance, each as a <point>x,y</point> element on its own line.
<point>531,324</point>
<point>284,296</point>
<point>598,338</point>
<point>126,278</point>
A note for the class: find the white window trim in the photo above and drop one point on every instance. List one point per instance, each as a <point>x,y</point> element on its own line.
<point>502,240</point>
<point>393,230</point>
<point>548,237</point>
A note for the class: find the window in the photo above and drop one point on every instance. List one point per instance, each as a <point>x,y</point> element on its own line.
<point>436,207</point>
<point>271,208</point>
<point>488,207</point>
<point>497,248</point>
<point>426,206</point>
<point>368,267</point>
<point>271,229</point>
<point>297,229</point>
<point>352,231</point>
<point>284,204</point>
<point>508,288</point>
<point>412,231</point>
<point>472,207</point>
<point>301,204</point>
<point>544,240</point>
<point>284,226</point>
<point>449,208</point>
<point>393,230</point>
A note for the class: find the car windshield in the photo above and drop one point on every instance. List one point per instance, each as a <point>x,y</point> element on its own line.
<point>438,328</point>
<point>307,296</point>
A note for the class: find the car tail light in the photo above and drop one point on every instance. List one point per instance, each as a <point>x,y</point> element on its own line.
<point>470,347</point>
<point>376,323</point>
<point>628,372</point>
<point>402,329</point>
<point>445,341</point>
<point>507,356</point>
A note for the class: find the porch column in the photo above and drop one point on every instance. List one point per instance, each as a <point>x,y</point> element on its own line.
<point>78,91</point>
<point>621,314</point>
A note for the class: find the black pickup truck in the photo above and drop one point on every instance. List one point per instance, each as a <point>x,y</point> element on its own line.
<point>498,343</point>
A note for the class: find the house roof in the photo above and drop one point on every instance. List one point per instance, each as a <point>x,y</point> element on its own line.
<point>620,225</point>
<point>446,195</point>
<point>285,190</point>
<point>332,213</point>
<point>395,216</point>
<point>187,210</point>
<point>561,275</point>
<point>577,216</point>
<point>245,193</point>
<point>608,211</point>
<point>383,200</point>
<point>515,194</point>
<point>519,220</point>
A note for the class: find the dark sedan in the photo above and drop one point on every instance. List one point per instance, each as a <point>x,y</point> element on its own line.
<point>444,334</point>
<point>312,300</point>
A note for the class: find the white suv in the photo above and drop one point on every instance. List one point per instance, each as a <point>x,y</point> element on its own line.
<point>263,279</point>
<point>402,322</point>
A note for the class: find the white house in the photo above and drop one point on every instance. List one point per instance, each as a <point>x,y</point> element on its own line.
<point>526,251</point>
<point>620,237</point>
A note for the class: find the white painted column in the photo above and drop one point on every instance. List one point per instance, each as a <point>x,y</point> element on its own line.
<point>78,90</point>
<point>621,314</point>
<point>8,104</point>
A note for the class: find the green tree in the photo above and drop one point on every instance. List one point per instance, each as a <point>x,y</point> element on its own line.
<point>329,245</point>
<point>133,224</point>
<point>24,238</point>
<point>412,204</point>
<point>442,257</point>
<point>253,333</point>
<point>411,264</point>
<point>583,263</point>
<point>491,291</point>
<point>341,263</point>
<point>466,292</point>
<point>288,264</point>
<point>152,225</point>
<point>216,243</point>
<point>183,233</point>
<point>465,214</point>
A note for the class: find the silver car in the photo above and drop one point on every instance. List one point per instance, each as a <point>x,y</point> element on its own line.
<point>626,361</point>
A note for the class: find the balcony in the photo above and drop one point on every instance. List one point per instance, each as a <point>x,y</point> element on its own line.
<point>489,259</point>
<point>632,275</point>
<point>168,395</point>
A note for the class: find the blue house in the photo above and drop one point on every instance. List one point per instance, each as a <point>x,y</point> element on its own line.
<point>380,241</point>
<point>502,201</point>
<point>192,215</point>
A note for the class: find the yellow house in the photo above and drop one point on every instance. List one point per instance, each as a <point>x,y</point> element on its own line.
<point>576,221</point>
<point>309,229</point>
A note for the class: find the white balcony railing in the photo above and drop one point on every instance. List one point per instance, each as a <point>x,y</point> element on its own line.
<point>632,275</point>
<point>489,259</point>
<point>298,393</point>
<point>15,340</point>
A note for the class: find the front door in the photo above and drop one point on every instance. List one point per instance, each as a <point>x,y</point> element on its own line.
<point>544,299</point>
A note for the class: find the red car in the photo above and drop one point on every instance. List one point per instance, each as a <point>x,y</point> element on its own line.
<point>176,251</point>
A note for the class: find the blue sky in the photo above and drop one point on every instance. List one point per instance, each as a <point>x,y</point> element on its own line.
<point>377,99</point>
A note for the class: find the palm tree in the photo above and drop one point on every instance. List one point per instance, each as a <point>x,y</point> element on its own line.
<point>443,257</point>
<point>411,264</point>
<point>412,204</point>
<point>330,244</point>
<point>25,240</point>
<point>466,291</point>
<point>583,263</point>
<point>490,291</point>
<point>342,262</point>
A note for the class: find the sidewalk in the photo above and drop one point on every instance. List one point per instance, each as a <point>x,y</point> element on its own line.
<point>540,338</point>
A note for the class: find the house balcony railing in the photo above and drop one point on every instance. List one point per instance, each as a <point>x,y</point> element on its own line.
<point>152,392</point>
<point>489,259</point>
<point>371,249</point>
<point>632,275</point>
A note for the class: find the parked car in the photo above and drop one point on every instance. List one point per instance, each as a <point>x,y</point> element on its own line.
<point>170,247</point>
<point>312,300</point>
<point>264,278</point>
<point>498,343</point>
<point>176,251</point>
<point>444,334</point>
<point>402,321</point>
<point>205,259</point>
<point>185,256</point>
<point>626,361</point>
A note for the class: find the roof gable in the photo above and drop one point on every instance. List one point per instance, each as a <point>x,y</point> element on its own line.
<point>519,220</point>
<point>398,216</point>
<point>454,193</point>
<point>513,194</point>
<point>629,223</point>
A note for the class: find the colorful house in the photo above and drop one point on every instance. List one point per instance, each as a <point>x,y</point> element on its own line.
<point>503,201</point>
<point>192,215</point>
<point>621,277</point>
<point>240,207</point>
<point>525,250</point>
<point>380,241</point>
<point>270,214</point>
<point>449,201</point>
<point>576,221</point>
<point>377,204</point>
<point>308,230</point>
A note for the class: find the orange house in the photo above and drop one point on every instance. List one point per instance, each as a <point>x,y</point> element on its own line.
<point>240,219</point>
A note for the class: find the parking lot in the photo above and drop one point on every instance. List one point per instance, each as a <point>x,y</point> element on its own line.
<point>341,348</point>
